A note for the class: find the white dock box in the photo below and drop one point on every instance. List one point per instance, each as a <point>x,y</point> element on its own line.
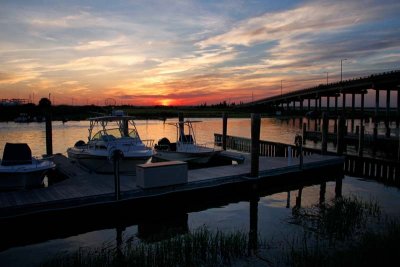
<point>159,174</point>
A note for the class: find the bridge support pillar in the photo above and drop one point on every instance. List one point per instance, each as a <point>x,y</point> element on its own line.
<point>387,120</point>
<point>361,141</point>
<point>376,105</point>
<point>327,103</point>
<point>344,103</point>
<point>353,109</point>
<point>301,104</point>
<point>398,109</point>
<point>325,123</point>
<point>340,135</point>
<point>336,101</point>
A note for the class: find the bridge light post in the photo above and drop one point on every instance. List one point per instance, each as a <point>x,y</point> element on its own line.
<point>341,68</point>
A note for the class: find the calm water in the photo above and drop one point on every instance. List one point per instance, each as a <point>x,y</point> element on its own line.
<point>273,210</point>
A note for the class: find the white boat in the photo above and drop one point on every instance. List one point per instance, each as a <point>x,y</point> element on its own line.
<point>185,148</point>
<point>19,170</point>
<point>115,135</point>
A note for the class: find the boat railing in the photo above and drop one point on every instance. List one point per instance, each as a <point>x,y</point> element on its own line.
<point>149,143</point>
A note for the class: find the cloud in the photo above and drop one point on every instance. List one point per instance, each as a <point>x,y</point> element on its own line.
<point>316,17</point>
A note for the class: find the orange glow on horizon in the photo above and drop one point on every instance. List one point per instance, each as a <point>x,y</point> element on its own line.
<point>166,102</point>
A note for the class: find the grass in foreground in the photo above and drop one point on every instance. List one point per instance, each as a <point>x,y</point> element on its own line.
<point>199,248</point>
<point>346,232</point>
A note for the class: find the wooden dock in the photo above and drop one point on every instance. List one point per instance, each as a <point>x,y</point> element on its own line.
<point>85,189</point>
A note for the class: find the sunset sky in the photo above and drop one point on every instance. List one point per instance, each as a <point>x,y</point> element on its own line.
<point>189,52</point>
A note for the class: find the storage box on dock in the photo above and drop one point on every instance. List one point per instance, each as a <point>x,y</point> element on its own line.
<point>159,174</point>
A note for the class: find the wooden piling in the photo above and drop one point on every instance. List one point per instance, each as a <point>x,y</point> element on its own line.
<point>340,135</point>
<point>304,133</point>
<point>224,129</point>
<point>45,105</point>
<point>255,144</point>
<point>361,141</point>
<point>325,122</point>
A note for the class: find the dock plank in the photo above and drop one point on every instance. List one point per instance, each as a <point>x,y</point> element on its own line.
<point>84,187</point>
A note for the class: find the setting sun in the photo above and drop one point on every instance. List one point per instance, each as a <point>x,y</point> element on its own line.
<point>165,102</point>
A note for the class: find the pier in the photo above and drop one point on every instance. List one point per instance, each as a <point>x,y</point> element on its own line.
<point>84,189</point>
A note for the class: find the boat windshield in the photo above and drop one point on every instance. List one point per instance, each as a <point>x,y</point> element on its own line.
<point>113,134</point>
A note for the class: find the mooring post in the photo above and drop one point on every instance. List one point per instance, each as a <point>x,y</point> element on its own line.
<point>224,129</point>
<point>45,104</point>
<point>304,133</point>
<point>116,157</point>
<point>325,122</point>
<point>340,135</point>
<point>361,141</point>
<point>375,138</point>
<point>255,144</point>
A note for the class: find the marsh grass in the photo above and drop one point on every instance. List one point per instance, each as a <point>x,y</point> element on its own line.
<point>199,248</point>
<point>344,232</point>
<point>347,232</point>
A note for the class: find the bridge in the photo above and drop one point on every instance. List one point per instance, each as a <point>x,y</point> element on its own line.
<point>387,81</point>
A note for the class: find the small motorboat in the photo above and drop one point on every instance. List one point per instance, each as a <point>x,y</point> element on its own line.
<point>114,135</point>
<point>185,148</point>
<point>19,170</point>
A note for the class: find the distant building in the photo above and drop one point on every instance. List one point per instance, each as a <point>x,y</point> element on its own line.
<point>13,102</point>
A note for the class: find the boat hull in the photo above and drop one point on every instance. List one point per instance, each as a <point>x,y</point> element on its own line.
<point>103,164</point>
<point>23,176</point>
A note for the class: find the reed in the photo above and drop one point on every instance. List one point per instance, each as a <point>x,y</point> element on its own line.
<point>199,248</point>
<point>348,232</point>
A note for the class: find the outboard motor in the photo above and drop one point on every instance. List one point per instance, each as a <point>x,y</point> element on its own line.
<point>163,144</point>
<point>80,143</point>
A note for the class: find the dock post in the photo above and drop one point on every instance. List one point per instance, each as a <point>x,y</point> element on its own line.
<point>45,104</point>
<point>255,144</point>
<point>304,133</point>
<point>325,122</point>
<point>361,141</point>
<point>340,135</point>
<point>387,119</point>
<point>224,129</point>
<point>375,138</point>
<point>116,156</point>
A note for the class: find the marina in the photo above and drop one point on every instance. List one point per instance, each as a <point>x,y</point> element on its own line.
<point>82,188</point>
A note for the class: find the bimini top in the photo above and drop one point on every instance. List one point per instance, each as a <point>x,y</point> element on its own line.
<point>116,115</point>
